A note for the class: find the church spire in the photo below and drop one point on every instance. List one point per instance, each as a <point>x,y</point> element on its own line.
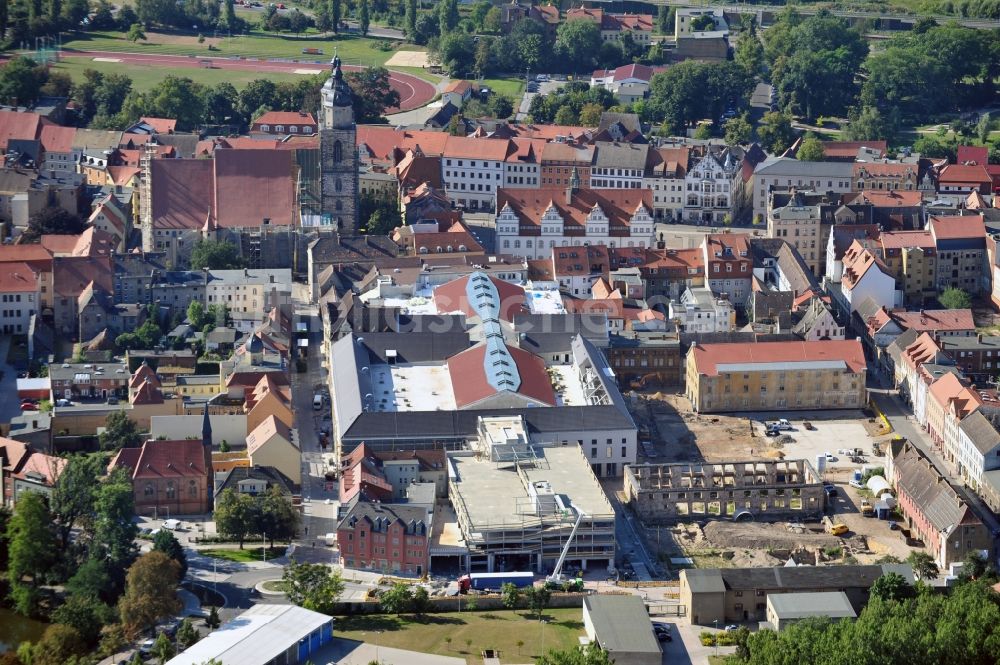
<point>206,429</point>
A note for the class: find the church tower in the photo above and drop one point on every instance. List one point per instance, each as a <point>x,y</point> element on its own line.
<point>338,154</point>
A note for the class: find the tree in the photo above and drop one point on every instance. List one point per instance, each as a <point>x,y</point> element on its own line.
<point>372,93</point>
<point>810,150</point>
<point>52,220</point>
<point>164,541</point>
<point>220,103</point>
<point>411,19</point>
<point>120,431</point>
<point>952,298</point>
<point>32,551</point>
<point>163,648</point>
<point>150,592</point>
<point>590,114</point>
<point>135,33</point>
<point>448,16</point>
<point>276,516</point>
<point>691,91</point>
<point>511,595</point>
<point>775,132</point>
<point>565,116</point>
<point>491,22</point>
<point>216,255</point>
<point>91,579</point>
<point>313,586</point>
<point>703,132</point>
<point>396,599</point>
<point>456,52</point>
<point>749,52</point>
<point>665,20</point>
<point>21,79</point>
<point>126,17</point>
<point>891,586</point>
<point>364,20</point>
<point>578,42</point>
<point>234,515</point>
<point>502,107</point>
<point>924,566</point>
<point>196,314</point>
<point>72,498</point>
<point>739,131</point>
<point>538,599</point>
<point>975,566</point>
<point>85,614</point>
<point>187,634</point>
<point>590,654</point>
<point>230,15</point>
<point>59,645</point>
<point>213,620</point>
<point>420,601</point>
<point>112,536</point>
<point>333,11</point>
<point>870,124</point>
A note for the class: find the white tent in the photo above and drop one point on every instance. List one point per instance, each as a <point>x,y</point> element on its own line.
<point>878,484</point>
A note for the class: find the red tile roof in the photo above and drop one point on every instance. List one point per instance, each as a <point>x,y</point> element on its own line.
<point>950,389</point>
<point>72,274</point>
<point>470,385</point>
<point>161,125</point>
<point>148,393</point>
<point>964,174</point>
<point>15,125</point>
<point>708,357</point>
<point>56,138</point>
<point>924,349</point>
<point>46,466</point>
<point>618,205</point>
<point>957,227</point>
<point>285,118</point>
<point>849,149</point>
<point>906,239</point>
<point>122,175</point>
<point>937,320</point>
<point>892,199</point>
<point>380,141</point>
<point>163,459</point>
<point>143,373</point>
<point>972,154</point>
<point>265,431</point>
<point>17,277</point>
<point>251,185</point>
<point>580,261</point>
<point>183,193</point>
<point>453,297</point>
<point>459,87</point>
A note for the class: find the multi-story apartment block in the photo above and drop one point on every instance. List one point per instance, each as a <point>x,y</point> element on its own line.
<point>801,226</point>
<point>773,376</point>
<point>559,159</point>
<point>618,166</point>
<point>386,537</point>
<point>961,252</point>
<point>783,173</point>
<point>521,167</point>
<point>885,176</point>
<point>957,181</point>
<point>666,169</point>
<point>911,257</point>
<point>530,222</point>
<point>710,188</point>
<point>20,297</point>
<point>728,266</point>
<point>978,448</point>
<point>616,26</point>
<point>473,171</point>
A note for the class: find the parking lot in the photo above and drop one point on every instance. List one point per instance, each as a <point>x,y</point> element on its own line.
<point>827,436</point>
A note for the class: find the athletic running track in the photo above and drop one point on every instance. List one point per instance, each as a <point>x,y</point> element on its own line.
<point>413,92</point>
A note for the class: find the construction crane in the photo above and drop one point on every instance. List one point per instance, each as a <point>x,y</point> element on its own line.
<point>556,579</point>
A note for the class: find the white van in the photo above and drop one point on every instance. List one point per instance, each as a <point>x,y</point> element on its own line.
<point>172,525</point>
<point>317,401</point>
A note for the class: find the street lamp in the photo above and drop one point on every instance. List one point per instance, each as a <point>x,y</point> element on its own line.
<point>263,545</point>
<point>715,622</point>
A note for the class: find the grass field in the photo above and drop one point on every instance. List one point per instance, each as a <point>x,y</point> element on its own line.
<point>513,88</point>
<point>353,49</point>
<point>487,630</point>
<point>244,555</point>
<point>145,77</point>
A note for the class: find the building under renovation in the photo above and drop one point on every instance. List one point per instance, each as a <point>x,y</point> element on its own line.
<point>665,493</point>
<point>517,504</point>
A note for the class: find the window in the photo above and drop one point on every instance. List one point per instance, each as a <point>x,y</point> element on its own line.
<point>193,489</point>
<point>148,490</point>
<point>338,151</point>
<point>171,490</point>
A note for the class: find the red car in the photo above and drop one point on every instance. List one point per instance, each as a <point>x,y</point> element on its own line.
<point>29,406</point>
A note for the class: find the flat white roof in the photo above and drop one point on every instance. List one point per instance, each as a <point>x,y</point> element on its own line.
<point>406,387</point>
<point>569,390</point>
<point>255,637</point>
<point>544,301</point>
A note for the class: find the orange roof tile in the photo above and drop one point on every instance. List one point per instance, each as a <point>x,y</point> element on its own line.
<point>708,357</point>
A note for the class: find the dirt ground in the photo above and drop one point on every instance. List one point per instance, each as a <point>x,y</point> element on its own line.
<point>408,59</point>
<point>678,435</point>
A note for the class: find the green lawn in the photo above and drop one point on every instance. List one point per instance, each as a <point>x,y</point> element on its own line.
<point>353,49</point>
<point>513,88</point>
<point>487,630</point>
<point>275,585</point>
<point>244,555</point>
<point>145,77</point>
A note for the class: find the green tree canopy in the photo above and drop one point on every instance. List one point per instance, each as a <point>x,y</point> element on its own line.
<point>952,298</point>
<point>54,220</point>
<point>150,592</point>
<point>810,150</point>
<point>72,498</point>
<point>32,551</point>
<point>216,255</point>
<point>372,94</point>
<point>578,43</point>
<point>396,599</point>
<point>775,132</point>
<point>166,542</point>
<point>590,654</point>
<point>235,515</point>
<point>120,431</point>
<point>112,536</point>
<point>691,91</point>
<point>313,586</point>
<point>739,131</point>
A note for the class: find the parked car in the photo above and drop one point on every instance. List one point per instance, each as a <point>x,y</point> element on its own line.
<point>857,484</point>
<point>29,406</point>
<point>808,425</point>
<point>732,627</point>
<point>63,402</point>
<point>112,400</point>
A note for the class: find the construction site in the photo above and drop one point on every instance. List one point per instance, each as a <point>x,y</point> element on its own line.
<point>518,505</point>
<point>683,453</point>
